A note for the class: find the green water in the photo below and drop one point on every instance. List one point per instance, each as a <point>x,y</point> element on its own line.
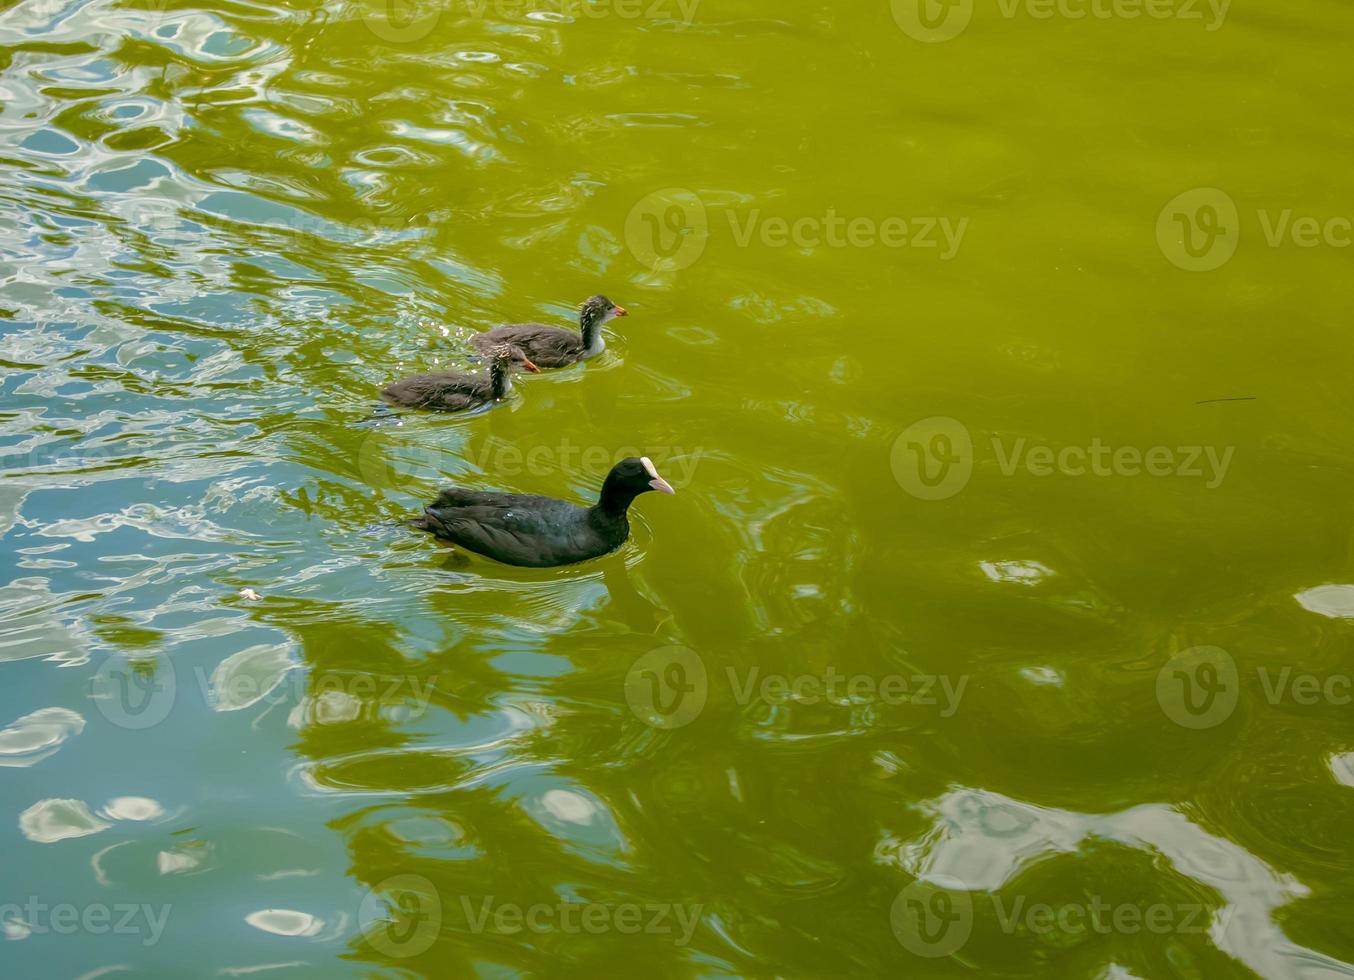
<point>1001,623</point>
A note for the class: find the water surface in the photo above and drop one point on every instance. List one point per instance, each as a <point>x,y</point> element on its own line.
<point>1000,366</point>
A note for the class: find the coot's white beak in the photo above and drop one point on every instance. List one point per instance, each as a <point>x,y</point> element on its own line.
<point>657,483</point>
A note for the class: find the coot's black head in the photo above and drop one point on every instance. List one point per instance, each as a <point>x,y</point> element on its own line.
<point>599,310</point>
<point>512,358</point>
<point>628,479</point>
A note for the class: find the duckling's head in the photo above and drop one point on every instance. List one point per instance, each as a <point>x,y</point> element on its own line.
<point>599,310</point>
<point>510,357</point>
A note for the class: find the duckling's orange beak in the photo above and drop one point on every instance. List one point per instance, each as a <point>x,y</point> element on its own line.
<point>530,367</point>
<point>622,311</point>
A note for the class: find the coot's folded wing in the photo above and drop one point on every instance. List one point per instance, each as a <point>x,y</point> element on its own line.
<point>478,530</point>
<point>516,530</point>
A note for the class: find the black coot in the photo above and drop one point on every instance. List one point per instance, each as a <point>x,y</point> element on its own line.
<point>521,529</point>
<point>554,347</point>
<point>457,392</point>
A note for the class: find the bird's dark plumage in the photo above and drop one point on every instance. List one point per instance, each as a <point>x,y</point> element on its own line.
<point>457,392</point>
<point>537,532</point>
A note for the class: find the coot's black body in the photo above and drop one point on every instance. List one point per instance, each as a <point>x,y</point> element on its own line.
<point>457,392</point>
<point>554,347</point>
<point>538,532</point>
